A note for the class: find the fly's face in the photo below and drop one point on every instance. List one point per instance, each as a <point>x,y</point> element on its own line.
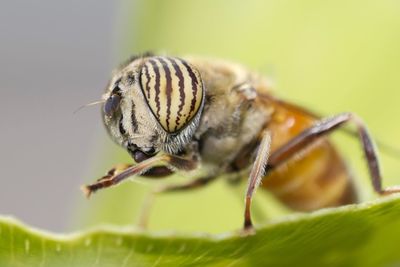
<point>153,104</point>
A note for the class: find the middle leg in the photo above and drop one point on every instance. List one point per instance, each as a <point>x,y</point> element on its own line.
<point>256,175</point>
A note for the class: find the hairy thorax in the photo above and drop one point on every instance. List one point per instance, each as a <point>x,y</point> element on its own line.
<point>233,115</point>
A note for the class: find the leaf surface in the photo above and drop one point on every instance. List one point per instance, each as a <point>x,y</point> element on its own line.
<point>358,235</point>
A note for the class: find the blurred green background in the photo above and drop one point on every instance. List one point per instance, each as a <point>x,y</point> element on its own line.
<point>328,56</point>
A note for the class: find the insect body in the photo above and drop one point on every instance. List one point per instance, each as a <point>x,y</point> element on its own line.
<point>176,114</point>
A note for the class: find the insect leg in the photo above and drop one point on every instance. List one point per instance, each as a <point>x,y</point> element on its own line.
<point>256,174</point>
<point>114,171</point>
<point>194,184</point>
<point>157,172</point>
<point>326,126</point>
<point>149,201</point>
<point>170,160</point>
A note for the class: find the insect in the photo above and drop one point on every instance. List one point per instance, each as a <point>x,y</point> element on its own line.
<point>177,115</point>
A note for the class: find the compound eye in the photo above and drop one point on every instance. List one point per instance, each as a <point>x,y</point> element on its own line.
<point>112,104</point>
<point>173,90</point>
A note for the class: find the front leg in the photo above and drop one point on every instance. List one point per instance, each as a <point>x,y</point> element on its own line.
<point>115,176</point>
<point>114,171</point>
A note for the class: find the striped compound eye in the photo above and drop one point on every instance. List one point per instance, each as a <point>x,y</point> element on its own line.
<point>173,90</point>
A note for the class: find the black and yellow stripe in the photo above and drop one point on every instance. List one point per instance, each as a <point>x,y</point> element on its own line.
<point>173,90</point>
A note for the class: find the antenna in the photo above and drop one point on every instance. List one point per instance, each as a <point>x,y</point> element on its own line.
<point>88,105</point>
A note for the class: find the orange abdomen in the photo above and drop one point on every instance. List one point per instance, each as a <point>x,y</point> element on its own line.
<point>314,178</point>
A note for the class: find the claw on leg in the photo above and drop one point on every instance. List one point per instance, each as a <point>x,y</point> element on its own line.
<point>86,191</point>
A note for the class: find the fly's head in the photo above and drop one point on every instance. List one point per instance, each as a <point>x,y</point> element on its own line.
<point>153,104</point>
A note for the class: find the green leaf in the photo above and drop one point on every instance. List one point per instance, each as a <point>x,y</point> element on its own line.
<point>358,235</point>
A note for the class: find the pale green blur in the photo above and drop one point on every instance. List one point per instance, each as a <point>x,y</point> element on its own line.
<point>329,56</point>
